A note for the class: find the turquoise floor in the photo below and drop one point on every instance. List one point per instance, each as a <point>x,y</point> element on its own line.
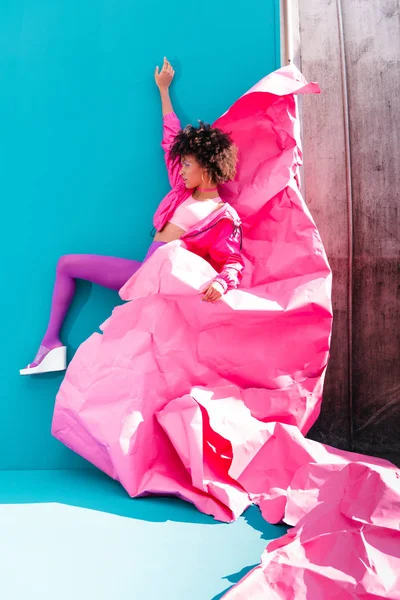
<point>76,535</point>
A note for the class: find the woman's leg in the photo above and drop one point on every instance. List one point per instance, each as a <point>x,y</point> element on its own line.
<point>107,271</point>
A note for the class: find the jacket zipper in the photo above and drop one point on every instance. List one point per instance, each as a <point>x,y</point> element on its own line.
<point>202,231</point>
<point>241,235</point>
<point>236,227</point>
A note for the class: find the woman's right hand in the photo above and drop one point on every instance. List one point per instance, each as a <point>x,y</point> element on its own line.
<point>165,76</point>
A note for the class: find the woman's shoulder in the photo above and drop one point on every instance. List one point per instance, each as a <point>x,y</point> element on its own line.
<point>232,214</point>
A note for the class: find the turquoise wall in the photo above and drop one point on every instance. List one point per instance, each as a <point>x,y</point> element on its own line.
<point>81,169</point>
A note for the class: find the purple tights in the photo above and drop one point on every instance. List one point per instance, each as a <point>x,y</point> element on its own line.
<point>108,271</point>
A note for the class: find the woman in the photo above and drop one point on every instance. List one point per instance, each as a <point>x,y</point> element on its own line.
<point>197,159</point>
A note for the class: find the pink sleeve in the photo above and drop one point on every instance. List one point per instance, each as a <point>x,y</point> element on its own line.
<point>226,252</point>
<point>171,126</point>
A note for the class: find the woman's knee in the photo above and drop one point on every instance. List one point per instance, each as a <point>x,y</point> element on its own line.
<point>67,262</point>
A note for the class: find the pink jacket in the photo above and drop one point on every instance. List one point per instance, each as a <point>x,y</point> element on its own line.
<point>218,237</point>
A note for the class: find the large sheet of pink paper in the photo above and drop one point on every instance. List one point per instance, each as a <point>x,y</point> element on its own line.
<point>210,402</point>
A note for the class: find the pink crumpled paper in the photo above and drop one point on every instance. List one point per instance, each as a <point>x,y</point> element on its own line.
<point>346,544</point>
<point>210,402</point>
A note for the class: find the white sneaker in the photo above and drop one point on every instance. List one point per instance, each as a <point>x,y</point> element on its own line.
<point>55,360</point>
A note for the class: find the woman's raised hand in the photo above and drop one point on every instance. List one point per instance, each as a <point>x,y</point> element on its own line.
<point>165,76</point>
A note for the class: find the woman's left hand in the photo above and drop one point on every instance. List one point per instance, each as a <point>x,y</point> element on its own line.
<point>165,76</point>
<point>212,292</point>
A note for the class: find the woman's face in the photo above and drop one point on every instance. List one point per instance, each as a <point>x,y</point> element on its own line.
<point>191,172</point>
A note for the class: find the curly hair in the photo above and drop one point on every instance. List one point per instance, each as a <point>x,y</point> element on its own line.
<point>212,148</point>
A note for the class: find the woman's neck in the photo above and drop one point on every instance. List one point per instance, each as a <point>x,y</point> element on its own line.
<point>198,194</point>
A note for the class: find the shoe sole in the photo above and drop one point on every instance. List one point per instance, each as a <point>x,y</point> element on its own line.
<point>55,360</point>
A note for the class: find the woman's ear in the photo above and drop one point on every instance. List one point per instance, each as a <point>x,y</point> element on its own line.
<point>205,177</point>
